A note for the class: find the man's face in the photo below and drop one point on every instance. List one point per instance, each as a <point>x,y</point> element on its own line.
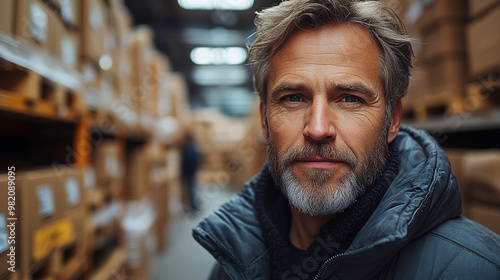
<point>325,117</point>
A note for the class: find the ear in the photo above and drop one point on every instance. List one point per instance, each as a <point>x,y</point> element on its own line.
<point>395,121</point>
<point>262,110</point>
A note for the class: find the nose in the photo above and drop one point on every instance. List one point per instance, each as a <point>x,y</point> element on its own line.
<point>319,122</point>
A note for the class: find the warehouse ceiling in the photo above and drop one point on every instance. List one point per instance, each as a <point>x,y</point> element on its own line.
<point>216,83</point>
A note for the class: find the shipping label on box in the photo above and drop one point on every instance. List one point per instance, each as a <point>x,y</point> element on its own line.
<point>69,11</point>
<point>72,188</point>
<point>46,203</point>
<point>69,51</point>
<point>39,22</point>
<point>52,236</point>
<point>89,181</point>
<point>4,243</point>
<point>96,17</point>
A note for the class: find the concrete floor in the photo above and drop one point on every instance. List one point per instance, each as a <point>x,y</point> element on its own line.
<point>183,258</point>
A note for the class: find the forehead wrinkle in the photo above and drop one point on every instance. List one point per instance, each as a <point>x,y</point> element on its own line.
<point>287,86</point>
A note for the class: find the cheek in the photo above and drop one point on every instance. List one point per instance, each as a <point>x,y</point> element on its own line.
<point>283,132</point>
<point>360,134</point>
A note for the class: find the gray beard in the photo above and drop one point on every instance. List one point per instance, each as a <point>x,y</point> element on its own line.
<point>316,197</point>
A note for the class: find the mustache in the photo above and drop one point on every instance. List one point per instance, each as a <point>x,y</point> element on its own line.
<point>323,150</point>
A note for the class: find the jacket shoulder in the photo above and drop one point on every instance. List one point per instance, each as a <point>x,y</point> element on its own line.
<point>456,249</point>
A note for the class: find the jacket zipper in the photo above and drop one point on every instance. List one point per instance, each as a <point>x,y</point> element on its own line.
<point>323,267</point>
<point>241,268</point>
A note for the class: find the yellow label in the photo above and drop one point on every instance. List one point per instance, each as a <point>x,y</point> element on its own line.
<point>51,237</point>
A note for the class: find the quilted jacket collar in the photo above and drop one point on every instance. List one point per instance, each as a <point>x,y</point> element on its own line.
<point>423,195</point>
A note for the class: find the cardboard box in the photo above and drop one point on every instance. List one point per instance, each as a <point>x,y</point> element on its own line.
<point>161,199</point>
<point>478,7</point>
<point>8,190</point>
<point>94,25</point>
<point>445,38</point>
<point>449,76</point>
<point>63,43</point>
<point>121,26</point>
<point>109,168</point>
<point>50,214</point>
<point>483,42</point>
<point>140,52</point>
<point>70,12</point>
<point>441,10</point>
<point>123,68</point>
<point>487,215</point>
<point>121,19</point>
<point>7,9</point>
<point>107,162</point>
<point>138,181</point>
<point>32,23</point>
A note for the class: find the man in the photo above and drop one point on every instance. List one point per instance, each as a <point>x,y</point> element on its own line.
<point>346,192</point>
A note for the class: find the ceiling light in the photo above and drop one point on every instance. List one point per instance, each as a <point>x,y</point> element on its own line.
<point>220,75</point>
<point>218,56</point>
<point>237,5</point>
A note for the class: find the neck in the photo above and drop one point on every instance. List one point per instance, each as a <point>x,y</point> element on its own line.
<point>305,228</point>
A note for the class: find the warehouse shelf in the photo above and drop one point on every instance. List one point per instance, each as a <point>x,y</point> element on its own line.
<point>479,120</point>
<point>28,57</point>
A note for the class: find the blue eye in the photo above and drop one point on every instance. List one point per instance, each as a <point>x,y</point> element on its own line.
<point>352,98</point>
<point>293,98</point>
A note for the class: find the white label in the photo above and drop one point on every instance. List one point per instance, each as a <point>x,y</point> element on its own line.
<point>89,179</point>
<point>111,166</point>
<point>72,191</point>
<point>3,234</point>
<point>67,10</point>
<point>68,52</point>
<point>46,200</point>
<point>39,22</point>
<point>89,73</point>
<point>95,17</point>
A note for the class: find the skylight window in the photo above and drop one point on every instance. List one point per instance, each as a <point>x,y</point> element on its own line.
<point>235,5</point>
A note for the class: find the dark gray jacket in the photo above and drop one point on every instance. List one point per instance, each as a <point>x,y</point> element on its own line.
<point>414,233</point>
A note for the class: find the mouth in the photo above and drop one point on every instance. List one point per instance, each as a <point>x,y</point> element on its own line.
<point>318,162</point>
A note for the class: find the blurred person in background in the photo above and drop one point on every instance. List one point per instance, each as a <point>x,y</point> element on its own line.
<point>347,193</point>
<point>190,165</point>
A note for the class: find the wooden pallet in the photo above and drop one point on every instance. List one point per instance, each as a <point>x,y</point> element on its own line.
<point>25,91</point>
<point>483,94</point>
<point>433,106</point>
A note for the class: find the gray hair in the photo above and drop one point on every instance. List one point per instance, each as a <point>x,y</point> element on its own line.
<point>276,24</point>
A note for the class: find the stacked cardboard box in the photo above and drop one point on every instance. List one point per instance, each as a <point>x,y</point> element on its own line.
<point>483,38</point>
<point>7,19</point>
<point>160,185</point>
<point>233,150</point>
<point>49,29</point>
<point>49,228</point>
<point>477,175</point>
<point>109,168</point>
<point>138,181</point>
<point>483,42</point>
<point>438,83</point>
